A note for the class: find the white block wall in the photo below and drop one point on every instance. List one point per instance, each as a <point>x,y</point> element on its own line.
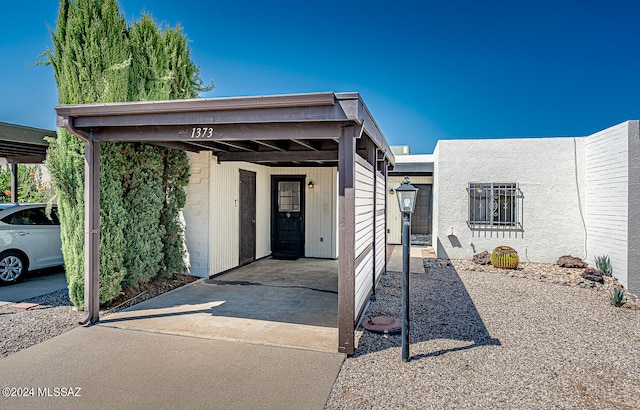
<point>607,200</point>
<point>550,173</point>
<point>196,213</point>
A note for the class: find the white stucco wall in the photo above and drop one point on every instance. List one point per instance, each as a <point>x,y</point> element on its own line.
<point>550,174</point>
<point>607,197</point>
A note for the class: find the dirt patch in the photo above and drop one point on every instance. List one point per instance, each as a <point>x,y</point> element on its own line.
<point>143,291</point>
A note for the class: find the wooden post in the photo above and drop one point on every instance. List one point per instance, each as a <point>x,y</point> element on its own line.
<point>14,182</point>
<point>346,231</point>
<point>91,233</point>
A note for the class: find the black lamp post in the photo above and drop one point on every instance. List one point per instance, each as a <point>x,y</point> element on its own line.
<point>406,194</point>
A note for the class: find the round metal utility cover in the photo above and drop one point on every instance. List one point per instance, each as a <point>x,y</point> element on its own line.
<point>383,324</point>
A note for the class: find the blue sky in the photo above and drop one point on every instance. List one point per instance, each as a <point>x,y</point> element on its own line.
<point>427,70</point>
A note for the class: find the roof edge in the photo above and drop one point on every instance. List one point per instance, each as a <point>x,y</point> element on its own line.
<point>198,104</point>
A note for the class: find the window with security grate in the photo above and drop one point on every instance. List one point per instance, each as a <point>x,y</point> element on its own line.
<point>495,206</point>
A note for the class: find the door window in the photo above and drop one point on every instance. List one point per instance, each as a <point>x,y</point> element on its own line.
<point>288,196</point>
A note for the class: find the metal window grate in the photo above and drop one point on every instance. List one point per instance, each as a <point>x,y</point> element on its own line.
<point>495,206</point>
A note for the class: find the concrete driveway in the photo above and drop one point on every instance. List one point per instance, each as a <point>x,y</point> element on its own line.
<point>269,302</point>
<point>125,369</point>
<point>223,343</point>
<point>34,284</point>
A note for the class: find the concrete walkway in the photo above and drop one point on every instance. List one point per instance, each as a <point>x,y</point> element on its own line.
<point>125,369</point>
<point>416,258</point>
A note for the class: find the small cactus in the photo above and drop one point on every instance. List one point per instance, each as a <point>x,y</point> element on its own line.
<point>504,257</point>
<point>603,264</point>
<point>617,297</point>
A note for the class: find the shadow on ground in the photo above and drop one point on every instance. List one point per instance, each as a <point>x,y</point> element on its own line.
<point>440,308</point>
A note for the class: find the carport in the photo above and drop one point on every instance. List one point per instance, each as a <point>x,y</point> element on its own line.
<point>22,145</point>
<point>310,130</point>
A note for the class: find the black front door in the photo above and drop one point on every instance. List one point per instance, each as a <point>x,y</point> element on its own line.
<point>247,217</point>
<point>287,216</point>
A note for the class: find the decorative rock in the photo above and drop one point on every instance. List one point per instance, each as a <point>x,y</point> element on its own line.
<point>569,261</point>
<point>482,258</point>
<point>593,275</point>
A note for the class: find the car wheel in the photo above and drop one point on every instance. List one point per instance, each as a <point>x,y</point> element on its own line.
<point>12,267</point>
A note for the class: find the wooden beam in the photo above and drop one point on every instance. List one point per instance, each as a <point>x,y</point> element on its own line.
<point>237,145</point>
<point>278,156</point>
<point>346,231</point>
<point>14,182</point>
<point>306,144</point>
<point>26,159</point>
<point>208,146</point>
<point>178,145</point>
<point>271,145</point>
<point>220,132</point>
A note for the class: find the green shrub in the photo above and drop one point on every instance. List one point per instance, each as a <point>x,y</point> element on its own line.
<point>618,297</point>
<point>603,264</point>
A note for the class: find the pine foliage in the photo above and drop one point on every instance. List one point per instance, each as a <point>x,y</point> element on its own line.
<point>98,58</point>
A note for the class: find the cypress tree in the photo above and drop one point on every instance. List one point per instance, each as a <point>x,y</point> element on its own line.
<point>90,59</point>
<point>97,57</point>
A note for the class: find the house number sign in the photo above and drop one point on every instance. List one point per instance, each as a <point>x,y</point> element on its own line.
<point>201,132</point>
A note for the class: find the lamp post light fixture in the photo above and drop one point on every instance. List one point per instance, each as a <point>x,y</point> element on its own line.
<point>406,194</point>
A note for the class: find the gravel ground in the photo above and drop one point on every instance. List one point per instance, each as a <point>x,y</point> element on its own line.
<point>21,329</point>
<point>495,339</point>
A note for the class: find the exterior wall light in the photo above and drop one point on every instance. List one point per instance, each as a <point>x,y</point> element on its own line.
<point>310,185</point>
<point>391,191</point>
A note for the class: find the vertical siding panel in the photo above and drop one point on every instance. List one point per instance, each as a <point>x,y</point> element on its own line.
<point>225,219</point>
<point>380,223</point>
<point>365,221</point>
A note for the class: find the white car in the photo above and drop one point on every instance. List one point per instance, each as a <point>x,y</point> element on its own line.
<point>29,240</point>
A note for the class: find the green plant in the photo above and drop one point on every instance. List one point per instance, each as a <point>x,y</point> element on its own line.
<point>603,264</point>
<point>618,297</point>
<point>31,185</point>
<point>504,257</point>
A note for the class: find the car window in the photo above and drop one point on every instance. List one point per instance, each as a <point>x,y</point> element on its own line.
<point>30,216</point>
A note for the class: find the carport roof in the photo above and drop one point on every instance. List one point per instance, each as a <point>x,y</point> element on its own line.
<point>295,129</point>
<point>19,143</point>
